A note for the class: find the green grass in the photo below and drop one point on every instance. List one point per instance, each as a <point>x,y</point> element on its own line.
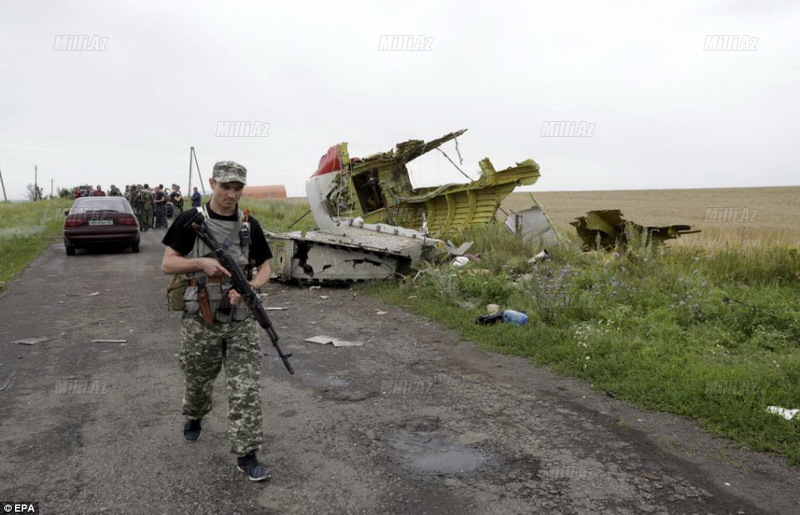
<point>710,335</point>
<point>27,228</point>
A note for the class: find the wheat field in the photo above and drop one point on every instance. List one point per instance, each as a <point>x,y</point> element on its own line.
<point>755,216</point>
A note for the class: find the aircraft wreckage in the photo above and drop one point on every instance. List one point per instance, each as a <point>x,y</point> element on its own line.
<point>373,224</point>
<point>607,230</point>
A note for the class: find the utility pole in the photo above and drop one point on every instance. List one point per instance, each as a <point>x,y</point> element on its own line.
<point>193,155</point>
<point>51,188</point>
<point>189,189</point>
<point>5,199</point>
<point>35,182</point>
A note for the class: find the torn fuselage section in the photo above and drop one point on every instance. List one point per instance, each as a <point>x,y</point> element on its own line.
<point>308,261</point>
<point>378,189</point>
<point>373,224</point>
<point>350,252</point>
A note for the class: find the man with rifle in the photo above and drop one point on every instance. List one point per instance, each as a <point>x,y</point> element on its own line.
<point>217,326</point>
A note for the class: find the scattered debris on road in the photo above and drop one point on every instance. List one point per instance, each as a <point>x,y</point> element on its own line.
<point>10,378</point>
<point>31,341</point>
<point>325,340</point>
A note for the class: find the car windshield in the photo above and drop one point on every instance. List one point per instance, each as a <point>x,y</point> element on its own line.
<point>98,205</point>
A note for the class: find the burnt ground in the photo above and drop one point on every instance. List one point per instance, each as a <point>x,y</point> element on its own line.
<point>414,421</point>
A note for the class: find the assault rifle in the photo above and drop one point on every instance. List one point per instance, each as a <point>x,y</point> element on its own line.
<point>240,283</point>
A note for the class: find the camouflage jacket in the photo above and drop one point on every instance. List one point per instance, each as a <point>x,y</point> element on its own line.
<point>147,199</point>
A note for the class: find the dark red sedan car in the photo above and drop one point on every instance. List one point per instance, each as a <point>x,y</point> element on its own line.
<point>100,220</point>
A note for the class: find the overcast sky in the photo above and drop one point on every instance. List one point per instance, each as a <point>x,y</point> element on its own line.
<point>661,109</point>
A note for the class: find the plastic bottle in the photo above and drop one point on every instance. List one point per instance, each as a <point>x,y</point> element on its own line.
<point>514,317</point>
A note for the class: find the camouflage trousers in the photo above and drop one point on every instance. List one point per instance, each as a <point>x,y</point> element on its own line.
<point>204,350</point>
<point>148,217</point>
<point>140,217</point>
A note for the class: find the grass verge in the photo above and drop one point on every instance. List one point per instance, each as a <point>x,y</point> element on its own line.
<point>713,335</point>
<point>27,228</point>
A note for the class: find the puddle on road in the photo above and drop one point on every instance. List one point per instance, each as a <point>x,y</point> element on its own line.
<point>432,454</point>
<point>334,388</point>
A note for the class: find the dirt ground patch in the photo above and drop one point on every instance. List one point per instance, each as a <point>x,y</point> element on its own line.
<point>413,421</point>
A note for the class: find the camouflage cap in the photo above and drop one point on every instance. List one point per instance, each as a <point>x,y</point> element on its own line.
<point>229,171</point>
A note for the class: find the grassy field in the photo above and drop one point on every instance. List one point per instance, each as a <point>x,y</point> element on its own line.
<point>27,228</point>
<point>281,215</point>
<point>708,327</point>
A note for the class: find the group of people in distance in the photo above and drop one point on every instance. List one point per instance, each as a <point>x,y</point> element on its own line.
<point>149,205</point>
<point>87,191</point>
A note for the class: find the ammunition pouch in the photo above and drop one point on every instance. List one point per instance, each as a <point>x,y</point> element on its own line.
<point>221,305</point>
<point>176,289</point>
<point>214,295</point>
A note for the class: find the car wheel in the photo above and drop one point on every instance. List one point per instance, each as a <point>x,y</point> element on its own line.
<point>70,250</point>
<point>135,247</point>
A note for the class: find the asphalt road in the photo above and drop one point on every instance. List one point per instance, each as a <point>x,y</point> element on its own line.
<point>413,421</point>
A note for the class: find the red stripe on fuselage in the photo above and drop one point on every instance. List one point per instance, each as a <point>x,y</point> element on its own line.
<point>329,162</point>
